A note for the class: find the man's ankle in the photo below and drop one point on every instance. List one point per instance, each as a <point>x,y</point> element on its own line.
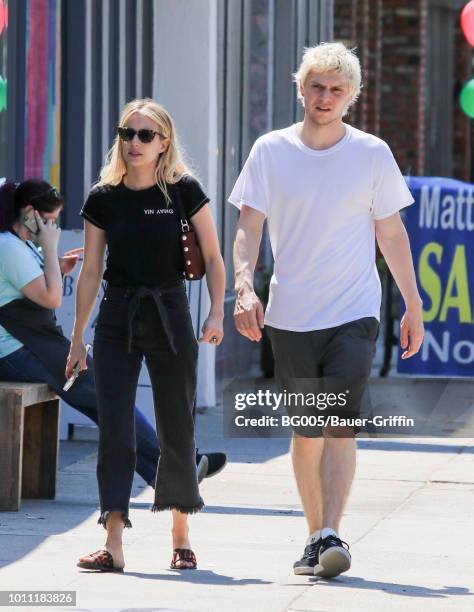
<point>314,536</point>
<point>327,531</point>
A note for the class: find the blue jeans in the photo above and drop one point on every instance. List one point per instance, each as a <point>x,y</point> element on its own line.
<point>24,366</point>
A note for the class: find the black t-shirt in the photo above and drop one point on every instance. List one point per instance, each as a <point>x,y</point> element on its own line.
<point>142,231</point>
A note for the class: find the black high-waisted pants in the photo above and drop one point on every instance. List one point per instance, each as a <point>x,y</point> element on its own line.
<point>155,324</point>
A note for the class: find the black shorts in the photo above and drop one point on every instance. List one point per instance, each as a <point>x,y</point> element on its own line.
<point>324,375</point>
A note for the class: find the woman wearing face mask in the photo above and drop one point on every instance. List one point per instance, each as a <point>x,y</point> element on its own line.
<point>134,212</point>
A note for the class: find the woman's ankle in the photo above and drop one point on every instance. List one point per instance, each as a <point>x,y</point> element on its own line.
<point>180,537</point>
<point>180,532</point>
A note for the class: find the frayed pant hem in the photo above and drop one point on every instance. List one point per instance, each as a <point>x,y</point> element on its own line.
<point>178,507</point>
<point>103,518</point>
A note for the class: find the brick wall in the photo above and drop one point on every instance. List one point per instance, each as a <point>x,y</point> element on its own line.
<point>391,37</point>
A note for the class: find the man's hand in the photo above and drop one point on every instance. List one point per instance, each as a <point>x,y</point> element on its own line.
<point>68,261</point>
<point>411,331</point>
<point>249,315</point>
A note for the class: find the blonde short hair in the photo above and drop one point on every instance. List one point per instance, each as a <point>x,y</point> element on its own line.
<point>328,57</point>
<point>171,164</point>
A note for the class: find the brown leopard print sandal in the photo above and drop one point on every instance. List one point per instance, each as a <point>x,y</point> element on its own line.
<point>183,554</point>
<point>101,560</point>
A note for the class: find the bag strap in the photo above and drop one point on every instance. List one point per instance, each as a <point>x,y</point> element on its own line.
<point>179,203</point>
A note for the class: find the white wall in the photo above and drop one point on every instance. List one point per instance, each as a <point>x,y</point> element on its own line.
<point>184,81</point>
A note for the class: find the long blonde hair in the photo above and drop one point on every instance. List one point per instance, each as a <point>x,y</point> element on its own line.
<point>171,164</point>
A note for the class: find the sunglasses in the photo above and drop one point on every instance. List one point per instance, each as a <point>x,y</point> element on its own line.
<point>127,134</point>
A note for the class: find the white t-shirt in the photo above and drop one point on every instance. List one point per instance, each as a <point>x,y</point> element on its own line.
<point>320,207</point>
<point>19,265</point>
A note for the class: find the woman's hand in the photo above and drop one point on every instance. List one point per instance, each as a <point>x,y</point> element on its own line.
<point>68,261</point>
<point>77,354</point>
<point>48,233</point>
<point>212,330</point>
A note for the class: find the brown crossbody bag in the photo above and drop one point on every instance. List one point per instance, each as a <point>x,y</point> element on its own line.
<point>194,267</point>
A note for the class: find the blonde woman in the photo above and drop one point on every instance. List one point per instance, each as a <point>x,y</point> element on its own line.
<point>145,314</point>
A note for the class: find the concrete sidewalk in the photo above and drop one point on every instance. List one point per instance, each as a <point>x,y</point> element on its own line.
<point>408,522</point>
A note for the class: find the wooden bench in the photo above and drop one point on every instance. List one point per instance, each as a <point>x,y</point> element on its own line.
<point>29,428</point>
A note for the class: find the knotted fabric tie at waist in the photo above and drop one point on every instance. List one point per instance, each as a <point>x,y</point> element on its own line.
<point>135,294</point>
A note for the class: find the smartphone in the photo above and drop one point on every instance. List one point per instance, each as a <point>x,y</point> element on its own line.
<point>29,221</point>
<point>75,373</point>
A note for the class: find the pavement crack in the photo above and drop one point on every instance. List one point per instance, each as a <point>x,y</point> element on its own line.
<point>428,480</point>
<point>460,482</point>
<point>398,507</point>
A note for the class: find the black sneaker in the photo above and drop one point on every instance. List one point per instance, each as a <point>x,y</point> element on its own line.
<point>210,464</point>
<point>202,465</point>
<point>333,557</point>
<point>305,566</point>
<point>217,462</point>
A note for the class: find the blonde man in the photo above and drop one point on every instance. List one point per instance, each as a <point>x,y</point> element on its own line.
<point>327,190</point>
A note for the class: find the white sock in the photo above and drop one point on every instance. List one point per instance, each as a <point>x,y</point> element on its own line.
<point>327,531</point>
<point>314,537</point>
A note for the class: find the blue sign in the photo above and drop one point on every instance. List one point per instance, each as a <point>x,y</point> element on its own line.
<point>440,225</point>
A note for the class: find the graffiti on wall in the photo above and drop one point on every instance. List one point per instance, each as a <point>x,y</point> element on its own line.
<point>3,73</point>
<point>42,146</point>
